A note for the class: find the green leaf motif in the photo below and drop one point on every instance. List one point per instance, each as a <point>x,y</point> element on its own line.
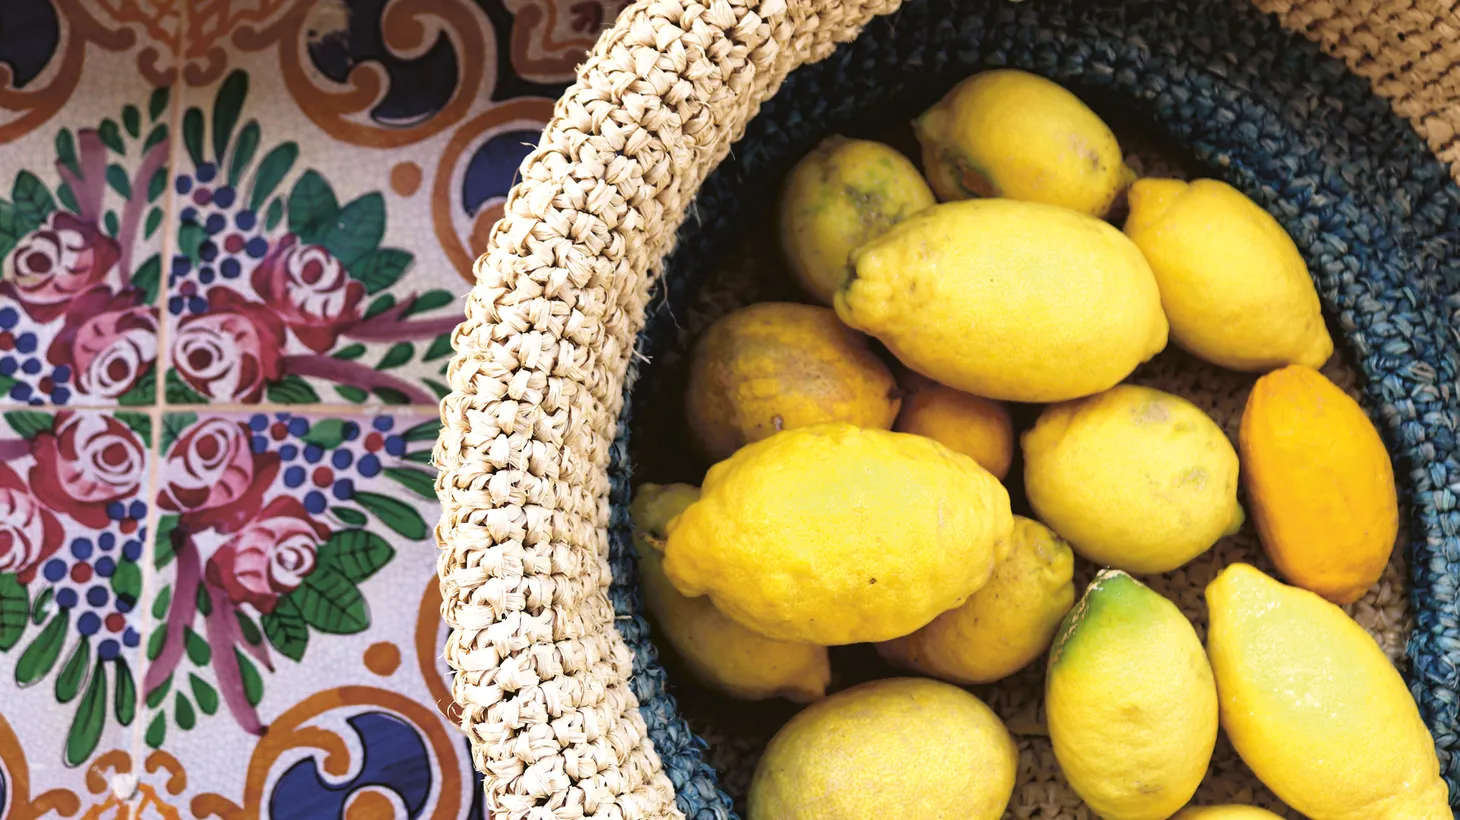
<point>156,135</point>
<point>66,151</point>
<point>393,513</point>
<point>126,581</point>
<point>29,423</point>
<point>111,136</point>
<point>157,103</point>
<point>156,696</point>
<point>173,426</point>
<point>326,433</point>
<point>351,393</point>
<point>398,354</point>
<point>247,628</point>
<point>154,221</point>
<point>190,239</point>
<point>381,268</point>
<point>38,658</point>
<point>73,672</point>
<point>90,719</point>
<point>274,214</point>
<point>178,391</point>
<point>67,198</point>
<point>272,170</point>
<point>379,305</point>
<point>155,642</point>
<point>163,541</point>
<point>182,712</point>
<point>291,390</point>
<point>286,628</point>
<point>156,731</point>
<point>331,603</point>
<point>111,223</point>
<point>14,610</point>
<point>203,693</point>
<point>161,600</point>
<point>41,608</point>
<point>349,517</point>
<point>124,699</point>
<point>313,208</point>
<point>420,457</point>
<point>430,300</point>
<point>439,348</point>
<point>143,393</point>
<point>441,390</point>
<point>193,134</point>
<point>357,554</point>
<point>139,423</point>
<point>157,185</point>
<point>10,228</point>
<point>226,107</point>
<point>132,120</point>
<point>253,685</point>
<point>205,602</point>
<point>33,200</point>
<point>116,177</point>
<point>417,481</point>
<point>425,431</point>
<point>148,278</point>
<point>243,151</point>
<point>197,648</point>
<point>357,230</point>
<point>390,395</point>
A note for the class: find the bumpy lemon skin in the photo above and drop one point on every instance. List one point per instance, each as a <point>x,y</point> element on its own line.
<point>1134,478</point>
<point>1005,625</point>
<point>776,366</point>
<point>1130,701</point>
<point>1319,483</point>
<point>839,196</point>
<point>720,653</point>
<point>835,534</point>
<point>897,748</point>
<point>972,425</point>
<point>1231,812</point>
<point>1315,708</point>
<point>1015,301</point>
<point>1233,285</point>
<point>1008,133</point>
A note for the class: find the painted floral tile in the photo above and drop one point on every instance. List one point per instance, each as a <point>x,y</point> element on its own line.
<point>289,287</point>
<point>73,535</point>
<point>295,615</point>
<point>80,257</point>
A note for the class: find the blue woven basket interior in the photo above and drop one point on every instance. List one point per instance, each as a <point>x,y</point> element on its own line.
<point>1372,210</point>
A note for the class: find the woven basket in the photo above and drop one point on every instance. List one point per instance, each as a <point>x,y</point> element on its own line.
<point>629,203</point>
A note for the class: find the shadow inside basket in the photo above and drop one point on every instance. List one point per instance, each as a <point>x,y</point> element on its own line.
<point>661,451</point>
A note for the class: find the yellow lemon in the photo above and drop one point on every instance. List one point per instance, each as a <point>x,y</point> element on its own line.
<point>1319,482</point>
<point>838,197</point>
<point>1131,704</point>
<point>722,654</point>
<point>1004,625</point>
<point>776,366</point>
<point>834,534</point>
<point>1224,813</point>
<point>969,424</point>
<point>1315,708</point>
<point>1134,478</point>
<point>1008,300</point>
<point>1013,134</point>
<point>898,748</point>
<point>1233,284</point>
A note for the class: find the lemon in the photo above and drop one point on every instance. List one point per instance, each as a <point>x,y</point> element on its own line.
<point>838,197</point>
<point>1131,704</point>
<point>898,748</point>
<point>1224,813</point>
<point>719,652</point>
<point>1013,134</point>
<point>1007,300</point>
<point>834,534</point>
<point>775,366</point>
<point>1233,284</point>
<point>969,424</point>
<point>1319,482</point>
<point>1004,625</point>
<point>1134,478</point>
<point>1315,708</point>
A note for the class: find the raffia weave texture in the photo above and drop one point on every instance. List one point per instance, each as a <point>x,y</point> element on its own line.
<point>549,689</point>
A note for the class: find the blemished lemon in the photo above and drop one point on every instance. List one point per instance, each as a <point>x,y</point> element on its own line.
<point>1134,478</point>
<point>1006,624</point>
<point>776,366</point>
<point>1132,707</point>
<point>721,653</point>
<point>1008,300</point>
<point>972,425</point>
<point>839,196</point>
<point>835,534</point>
<point>898,748</point>
<point>1009,133</point>
<point>1233,284</point>
<point>1315,708</point>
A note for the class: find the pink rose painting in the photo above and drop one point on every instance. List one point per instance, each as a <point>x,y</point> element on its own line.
<point>86,462</point>
<point>57,263</point>
<point>109,342</point>
<point>311,291</point>
<point>232,351</point>
<point>269,556</point>
<point>29,533</point>
<point>213,478</point>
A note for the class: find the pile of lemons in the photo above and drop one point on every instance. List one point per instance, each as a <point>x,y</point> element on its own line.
<point>859,499</point>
